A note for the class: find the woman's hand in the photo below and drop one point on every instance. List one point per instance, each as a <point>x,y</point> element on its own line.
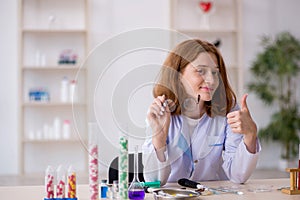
<point>159,117</point>
<point>241,122</point>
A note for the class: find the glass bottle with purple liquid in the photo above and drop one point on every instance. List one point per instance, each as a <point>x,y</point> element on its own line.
<point>136,189</point>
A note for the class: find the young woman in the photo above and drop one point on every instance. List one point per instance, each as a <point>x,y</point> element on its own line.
<point>196,129</point>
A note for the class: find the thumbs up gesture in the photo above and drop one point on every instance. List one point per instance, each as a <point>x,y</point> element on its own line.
<point>241,121</point>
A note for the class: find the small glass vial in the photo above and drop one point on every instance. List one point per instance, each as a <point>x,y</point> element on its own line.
<point>115,189</point>
<point>109,194</point>
<point>103,189</point>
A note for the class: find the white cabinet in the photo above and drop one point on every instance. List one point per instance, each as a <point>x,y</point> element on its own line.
<point>224,23</point>
<point>53,44</point>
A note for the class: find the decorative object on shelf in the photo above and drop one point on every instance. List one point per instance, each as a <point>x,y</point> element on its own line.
<point>67,56</point>
<point>206,7</point>
<point>217,43</point>
<point>51,21</point>
<point>275,81</point>
<point>39,94</point>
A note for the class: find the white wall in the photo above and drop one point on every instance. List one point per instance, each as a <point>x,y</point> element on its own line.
<point>266,17</point>
<point>8,87</point>
<point>259,17</point>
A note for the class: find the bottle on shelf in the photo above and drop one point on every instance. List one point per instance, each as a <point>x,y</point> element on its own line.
<point>73,91</point>
<point>66,133</point>
<point>57,128</point>
<point>64,92</point>
<point>46,131</point>
<point>43,60</point>
<point>37,60</point>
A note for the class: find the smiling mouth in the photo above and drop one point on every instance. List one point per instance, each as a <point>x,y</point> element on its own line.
<point>207,89</point>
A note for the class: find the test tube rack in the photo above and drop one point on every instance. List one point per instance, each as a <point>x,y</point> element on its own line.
<point>294,176</point>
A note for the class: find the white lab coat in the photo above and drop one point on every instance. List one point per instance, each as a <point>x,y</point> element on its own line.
<point>211,152</point>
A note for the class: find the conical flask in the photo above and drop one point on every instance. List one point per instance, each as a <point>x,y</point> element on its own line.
<point>136,189</point>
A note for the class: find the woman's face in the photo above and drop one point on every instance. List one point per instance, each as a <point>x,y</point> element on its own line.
<point>201,76</point>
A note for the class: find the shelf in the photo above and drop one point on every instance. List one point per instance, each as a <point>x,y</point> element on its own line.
<point>53,141</point>
<point>49,32</point>
<point>211,31</point>
<point>57,67</point>
<point>51,104</point>
<point>41,31</point>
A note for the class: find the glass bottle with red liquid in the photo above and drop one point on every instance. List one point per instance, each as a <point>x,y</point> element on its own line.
<point>206,9</point>
<point>136,189</point>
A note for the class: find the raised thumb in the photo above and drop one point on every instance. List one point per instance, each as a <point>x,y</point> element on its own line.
<point>244,105</point>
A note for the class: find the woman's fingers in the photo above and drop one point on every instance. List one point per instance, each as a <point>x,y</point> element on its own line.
<point>241,122</point>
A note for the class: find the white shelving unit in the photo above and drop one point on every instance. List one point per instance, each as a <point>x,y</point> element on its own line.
<point>48,27</point>
<point>224,24</point>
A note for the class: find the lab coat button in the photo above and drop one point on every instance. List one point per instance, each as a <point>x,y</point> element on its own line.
<point>195,161</point>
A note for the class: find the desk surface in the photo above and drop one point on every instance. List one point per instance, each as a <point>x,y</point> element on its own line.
<point>272,185</point>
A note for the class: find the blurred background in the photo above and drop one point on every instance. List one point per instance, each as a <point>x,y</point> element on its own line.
<point>65,63</point>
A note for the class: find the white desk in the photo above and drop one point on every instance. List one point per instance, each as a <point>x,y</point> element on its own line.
<point>37,192</point>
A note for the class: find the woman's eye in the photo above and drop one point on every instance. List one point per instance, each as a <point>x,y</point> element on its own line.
<point>214,73</point>
<point>201,71</point>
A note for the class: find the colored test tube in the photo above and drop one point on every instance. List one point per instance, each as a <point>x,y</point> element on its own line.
<point>123,167</point>
<point>49,182</point>
<point>60,182</point>
<point>93,162</point>
<point>71,182</point>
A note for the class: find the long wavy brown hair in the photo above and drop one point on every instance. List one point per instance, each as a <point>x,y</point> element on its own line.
<point>169,83</point>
